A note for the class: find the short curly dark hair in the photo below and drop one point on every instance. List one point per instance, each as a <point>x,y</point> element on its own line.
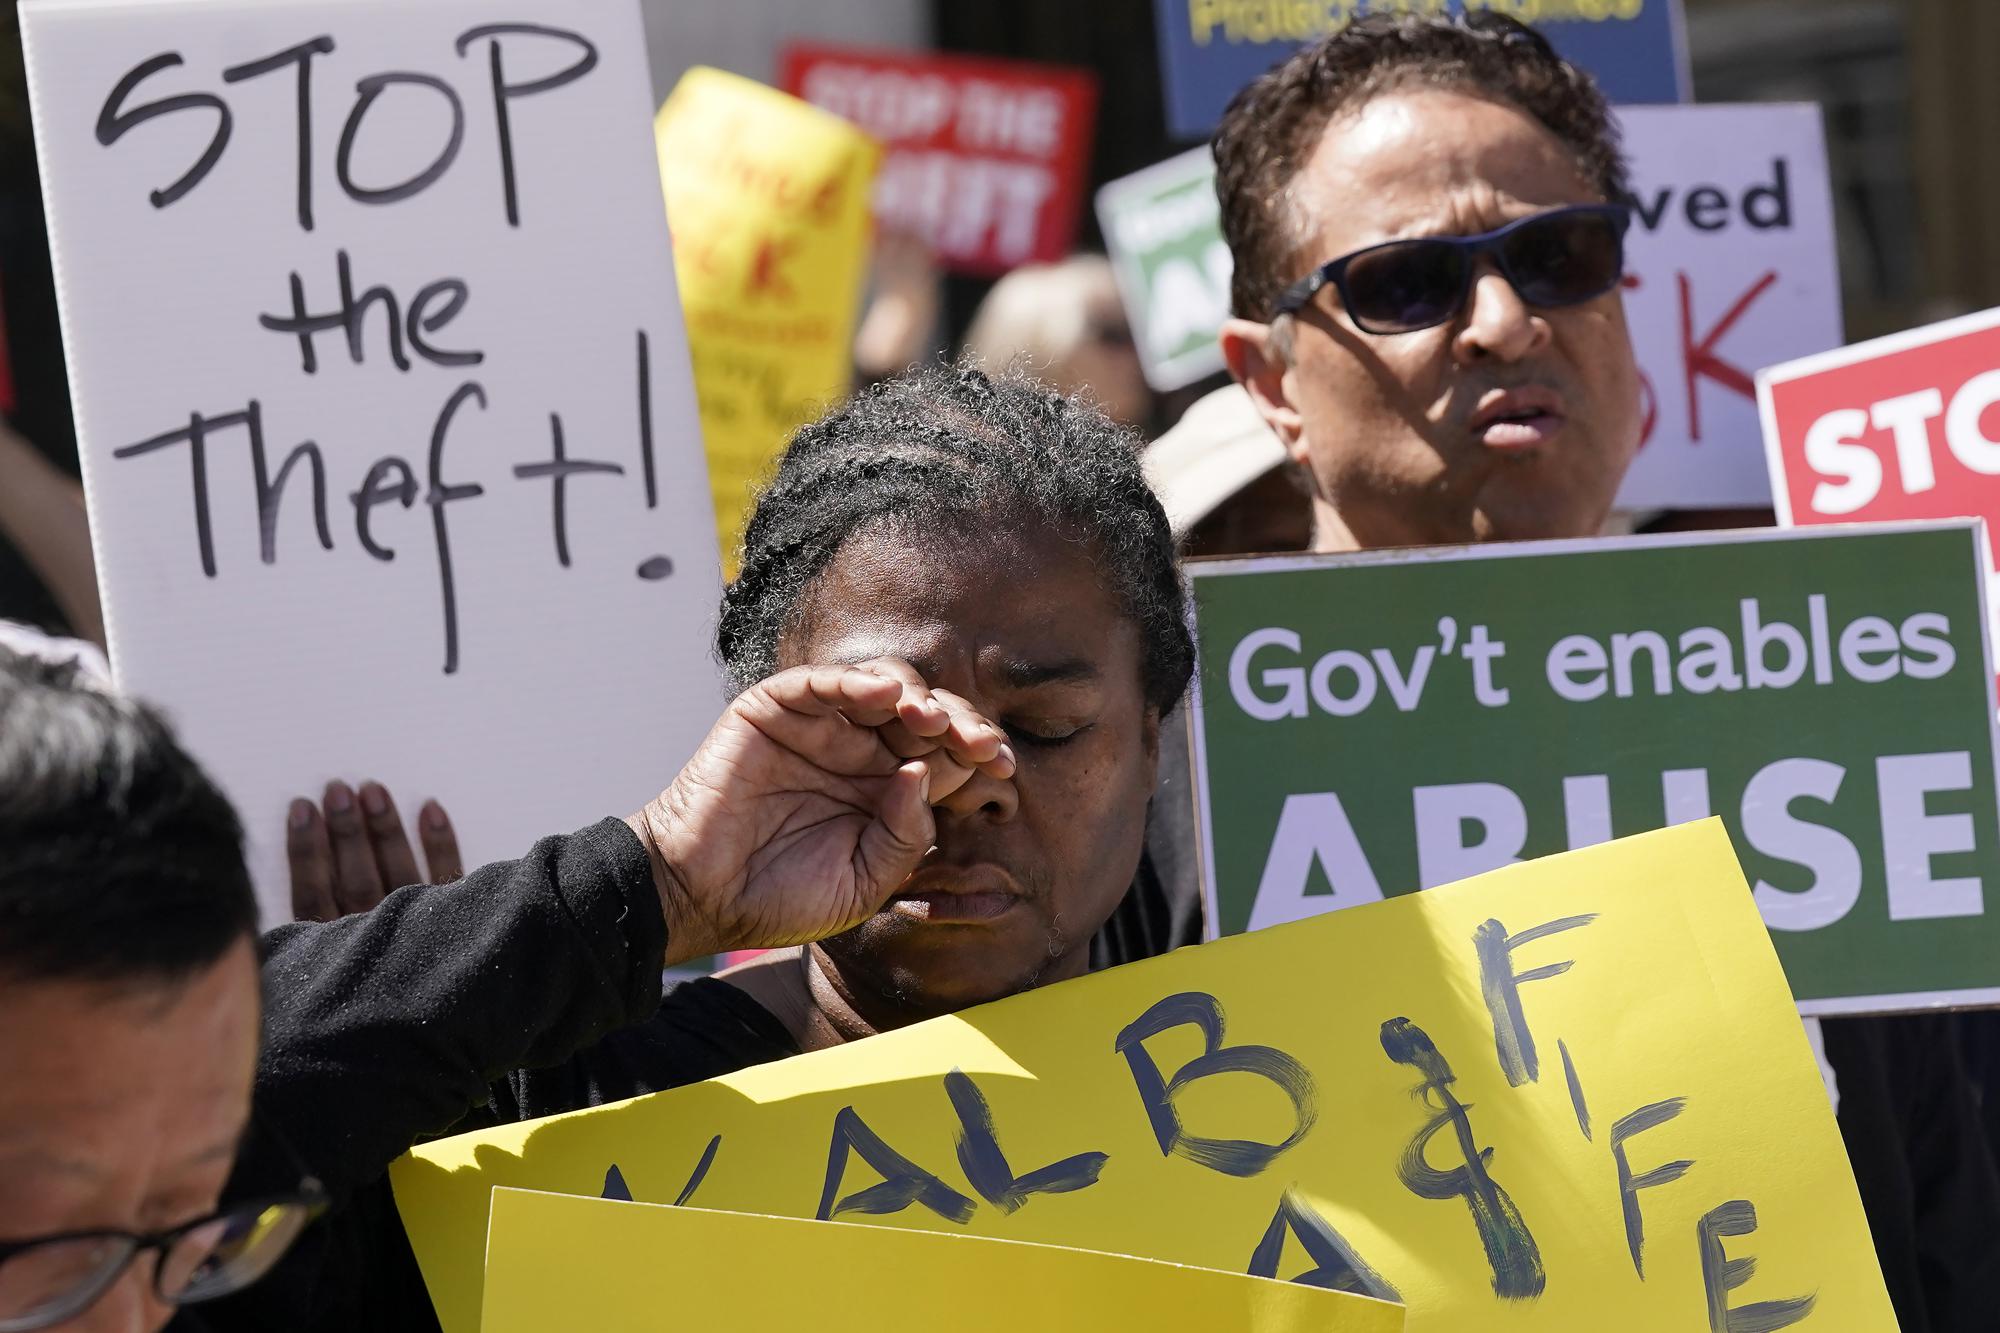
<point>1274,125</point>
<point>930,449</point>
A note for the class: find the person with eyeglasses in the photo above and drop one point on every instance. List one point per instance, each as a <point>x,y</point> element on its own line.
<point>135,1178</point>
<point>1427,217</point>
<point>128,1018</point>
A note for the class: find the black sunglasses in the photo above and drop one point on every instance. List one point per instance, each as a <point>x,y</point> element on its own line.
<point>51,1279</point>
<point>1565,256</point>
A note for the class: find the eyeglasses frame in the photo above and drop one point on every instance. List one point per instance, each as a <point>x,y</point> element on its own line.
<point>1334,272</point>
<point>310,1195</point>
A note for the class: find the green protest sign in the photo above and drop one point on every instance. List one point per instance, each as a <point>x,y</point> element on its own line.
<point>1164,233</point>
<point>1372,724</point>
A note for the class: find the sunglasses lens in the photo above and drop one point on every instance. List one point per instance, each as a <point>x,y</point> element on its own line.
<point>1403,287</point>
<point>1565,258</point>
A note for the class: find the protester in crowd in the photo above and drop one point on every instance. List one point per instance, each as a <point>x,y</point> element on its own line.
<point>1065,324</point>
<point>989,545</point>
<point>1227,484</point>
<point>899,324</point>
<point>129,987</point>
<point>1427,240</point>
<point>1424,216</point>
<point>128,1017</point>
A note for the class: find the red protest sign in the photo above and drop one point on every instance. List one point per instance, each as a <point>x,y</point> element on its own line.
<point>985,159</point>
<point>1902,427</point>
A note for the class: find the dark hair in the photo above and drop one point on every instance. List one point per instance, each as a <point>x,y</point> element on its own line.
<point>1273,126</point>
<point>120,861</point>
<point>929,449</point>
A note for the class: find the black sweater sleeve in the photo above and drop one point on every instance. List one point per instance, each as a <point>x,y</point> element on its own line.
<point>386,1028</point>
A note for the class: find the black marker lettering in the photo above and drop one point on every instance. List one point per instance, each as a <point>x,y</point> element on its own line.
<point>422,321</point>
<point>1232,1157</point>
<point>700,1172</point>
<point>302,324</point>
<point>985,1165</point>
<point>368,90</point>
<point>1575,1091</point>
<point>438,497</point>
<point>300,55</point>
<point>1510,1249</point>
<point>270,494</point>
<point>504,91</point>
<point>348,316</point>
<point>1512,1041</point>
<point>195,436</point>
<point>646,422</point>
<point>615,1186</point>
<point>1721,1275</point>
<point>1336,1265</point>
<point>903,1181</point>
<point>113,122</point>
<point>374,492</point>
<point>559,469</point>
<point>1629,1185</point>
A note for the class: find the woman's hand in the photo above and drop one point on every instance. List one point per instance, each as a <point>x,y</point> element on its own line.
<point>350,852</point>
<point>808,804</point>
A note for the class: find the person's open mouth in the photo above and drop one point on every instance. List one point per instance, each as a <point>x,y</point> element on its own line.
<point>1514,420</point>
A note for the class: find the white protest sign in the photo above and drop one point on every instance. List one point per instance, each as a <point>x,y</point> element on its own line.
<point>1730,266</point>
<point>383,398</point>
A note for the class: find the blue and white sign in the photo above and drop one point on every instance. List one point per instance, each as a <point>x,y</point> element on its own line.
<point>1636,49</point>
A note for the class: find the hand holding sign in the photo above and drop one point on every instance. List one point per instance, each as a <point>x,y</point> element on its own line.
<point>808,804</point>
<point>350,851</point>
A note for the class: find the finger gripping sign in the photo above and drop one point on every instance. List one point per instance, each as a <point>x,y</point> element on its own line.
<point>1324,1103</point>
<point>383,397</point>
<point>1372,725</point>
<point>556,1261</point>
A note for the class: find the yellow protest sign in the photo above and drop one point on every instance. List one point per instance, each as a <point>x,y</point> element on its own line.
<point>558,1262</point>
<point>767,199</point>
<point>1571,1094</point>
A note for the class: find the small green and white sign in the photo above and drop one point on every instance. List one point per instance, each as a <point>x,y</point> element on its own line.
<point>1163,231</point>
<point>1379,723</point>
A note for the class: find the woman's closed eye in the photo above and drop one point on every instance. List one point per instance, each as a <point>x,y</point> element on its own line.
<point>1044,733</point>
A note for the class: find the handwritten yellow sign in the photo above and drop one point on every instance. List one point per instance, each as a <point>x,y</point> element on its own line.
<point>767,199</point>
<point>1571,1094</point>
<point>554,1261</point>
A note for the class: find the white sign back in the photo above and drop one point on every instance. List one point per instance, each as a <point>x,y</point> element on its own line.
<point>1730,266</point>
<point>383,398</point>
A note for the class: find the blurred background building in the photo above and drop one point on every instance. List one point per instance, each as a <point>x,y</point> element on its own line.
<point>1911,105</point>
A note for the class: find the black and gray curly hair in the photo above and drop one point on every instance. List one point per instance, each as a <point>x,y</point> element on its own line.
<point>931,451</point>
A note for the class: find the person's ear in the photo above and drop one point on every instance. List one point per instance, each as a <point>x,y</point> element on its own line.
<point>1149,728</point>
<point>1258,356</point>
